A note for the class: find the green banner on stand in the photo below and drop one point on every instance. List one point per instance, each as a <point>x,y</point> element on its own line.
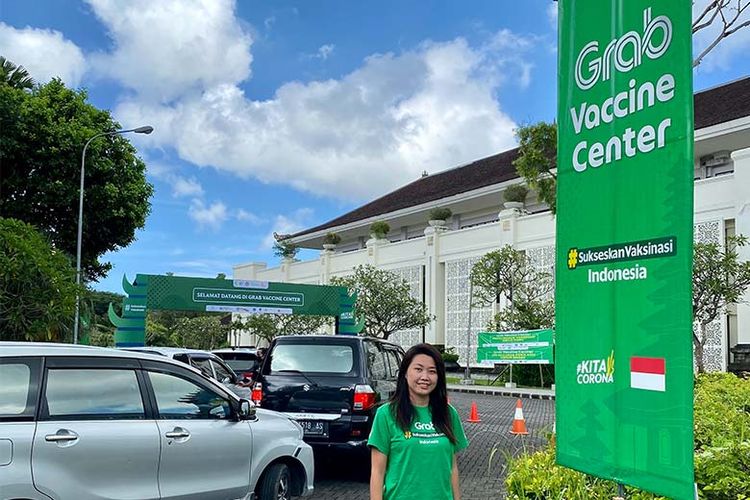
<point>624,365</point>
<point>523,347</point>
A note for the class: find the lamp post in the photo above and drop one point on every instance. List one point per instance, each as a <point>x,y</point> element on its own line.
<point>147,129</point>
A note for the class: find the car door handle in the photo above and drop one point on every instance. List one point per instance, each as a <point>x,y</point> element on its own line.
<point>177,433</point>
<point>61,436</point>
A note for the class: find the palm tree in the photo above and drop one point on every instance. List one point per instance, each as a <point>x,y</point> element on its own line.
<point>15,76</point>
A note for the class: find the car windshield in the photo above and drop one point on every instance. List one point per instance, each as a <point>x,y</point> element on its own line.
<point>313,358</point>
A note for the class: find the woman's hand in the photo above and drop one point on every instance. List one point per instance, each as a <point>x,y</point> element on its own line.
<point>377,473</point>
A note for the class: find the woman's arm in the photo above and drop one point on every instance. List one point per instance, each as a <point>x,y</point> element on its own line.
<point>454,480</point>
<point>377,474</point>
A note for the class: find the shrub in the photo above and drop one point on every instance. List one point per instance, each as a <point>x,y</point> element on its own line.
<point>449,355</point>
<point>515,193</point>
<point>380,229</point>
<point>722,452</point>
<point>331,239</point>
<point>440,213</point>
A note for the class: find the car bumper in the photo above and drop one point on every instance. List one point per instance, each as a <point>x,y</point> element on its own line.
<point>353,445</point>
<point>305,456</point>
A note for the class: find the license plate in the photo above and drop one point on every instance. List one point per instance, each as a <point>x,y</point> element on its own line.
<point>314,427</point>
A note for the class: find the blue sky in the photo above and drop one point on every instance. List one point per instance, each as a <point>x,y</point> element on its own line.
<point>277,116</point>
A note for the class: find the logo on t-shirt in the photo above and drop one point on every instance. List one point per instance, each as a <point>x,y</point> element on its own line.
<point>407,435</point>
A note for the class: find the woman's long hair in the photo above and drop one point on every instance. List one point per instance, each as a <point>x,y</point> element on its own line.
<point>401,406</point>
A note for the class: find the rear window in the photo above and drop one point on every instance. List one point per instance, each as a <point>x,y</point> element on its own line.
<point>312,358</point>
<point>18,389</point>
<point>239,361</point>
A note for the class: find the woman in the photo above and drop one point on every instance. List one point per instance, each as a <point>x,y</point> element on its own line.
<point>416,435</point>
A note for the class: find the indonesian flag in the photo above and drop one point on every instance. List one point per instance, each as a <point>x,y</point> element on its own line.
<point>648,373</point>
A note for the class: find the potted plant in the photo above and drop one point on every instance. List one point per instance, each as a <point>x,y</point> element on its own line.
<point>379,229</point>
<point>515,195</point>
<point>330,240</point>
<point>438,216</point>
<point>285,249</point>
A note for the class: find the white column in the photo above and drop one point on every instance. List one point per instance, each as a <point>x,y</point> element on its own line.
<point>286,264</point>
<point>373,247</point>
<point>742,225</point>
<point>434,278</point>
<point>508,218</point>
<point>325,267</point>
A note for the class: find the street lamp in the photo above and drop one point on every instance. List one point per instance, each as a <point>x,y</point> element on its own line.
<point>147,129</point>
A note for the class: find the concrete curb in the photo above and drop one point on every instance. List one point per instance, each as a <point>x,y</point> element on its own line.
<point>502,391</point>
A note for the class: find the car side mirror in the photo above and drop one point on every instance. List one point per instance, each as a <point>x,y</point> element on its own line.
<point>246,410</point>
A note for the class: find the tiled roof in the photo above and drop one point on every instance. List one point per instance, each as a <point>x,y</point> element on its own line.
<point>723,103</point>
<point>712,106</point>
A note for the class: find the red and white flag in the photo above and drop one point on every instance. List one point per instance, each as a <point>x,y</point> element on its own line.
<point>648,373</point>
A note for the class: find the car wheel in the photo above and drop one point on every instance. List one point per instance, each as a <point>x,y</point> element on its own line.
<point>276,483</point>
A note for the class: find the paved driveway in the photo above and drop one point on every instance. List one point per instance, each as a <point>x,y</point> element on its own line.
<point>481,479</point>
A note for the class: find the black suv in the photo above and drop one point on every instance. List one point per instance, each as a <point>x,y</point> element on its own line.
<point>331,385</point>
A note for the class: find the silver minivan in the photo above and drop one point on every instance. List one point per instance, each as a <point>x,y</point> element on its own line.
<point>82,422</point>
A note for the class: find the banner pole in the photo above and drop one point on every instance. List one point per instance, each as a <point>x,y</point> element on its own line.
<point>620,492</point>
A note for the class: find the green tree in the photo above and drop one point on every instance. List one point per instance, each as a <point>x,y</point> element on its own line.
<point>43,134</point>
<point>204,332</point>
<point>384,301</point>
<point>508,273</point>
<point>270,326</point>
<point>537,160</point>
<point>15,76</point>
<point>37,286</point>
<point>95,306</point>
<point>719,279</point>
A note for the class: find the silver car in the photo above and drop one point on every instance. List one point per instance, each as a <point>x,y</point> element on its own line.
<point>208,363</point>
<point>93,423</point>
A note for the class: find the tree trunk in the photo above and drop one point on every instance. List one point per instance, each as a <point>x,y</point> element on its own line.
<point>701,342</point>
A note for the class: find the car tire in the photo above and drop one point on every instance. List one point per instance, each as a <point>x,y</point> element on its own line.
<point>276,483</point>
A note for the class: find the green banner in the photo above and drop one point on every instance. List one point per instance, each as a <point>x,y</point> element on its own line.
<point>177,293</point>
<point>524,347</point>
<point>624,366</point>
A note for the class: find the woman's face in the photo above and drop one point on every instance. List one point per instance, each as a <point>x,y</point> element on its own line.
<point>421,376</point>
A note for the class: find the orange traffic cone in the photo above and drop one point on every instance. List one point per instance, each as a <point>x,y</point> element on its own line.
<point>519,423</point>
<point>474,414</point>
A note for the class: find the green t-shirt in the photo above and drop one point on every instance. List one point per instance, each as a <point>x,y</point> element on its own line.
<point>420,461</point>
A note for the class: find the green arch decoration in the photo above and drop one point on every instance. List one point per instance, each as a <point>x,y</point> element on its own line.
<point>151,292</point>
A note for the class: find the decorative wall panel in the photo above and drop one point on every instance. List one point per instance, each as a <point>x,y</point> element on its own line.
<point>457,310</point>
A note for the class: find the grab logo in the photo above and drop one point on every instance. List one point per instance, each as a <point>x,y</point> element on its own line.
<point>422,426</point>
<point>624,53</point>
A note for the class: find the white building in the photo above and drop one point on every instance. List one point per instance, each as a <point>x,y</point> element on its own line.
<point>436,261</point>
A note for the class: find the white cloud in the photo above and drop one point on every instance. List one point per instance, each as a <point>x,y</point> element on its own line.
<point>374,129</point>
<point>167,48</point>
<point>288,224</point>
<point>245,216</point>
<point>186,187</point>
<point>211,217</point>
<point>324,51</point>
<point>44,53</point>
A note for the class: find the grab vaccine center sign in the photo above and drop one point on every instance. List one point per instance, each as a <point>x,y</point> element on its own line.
<point>624,368</point>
